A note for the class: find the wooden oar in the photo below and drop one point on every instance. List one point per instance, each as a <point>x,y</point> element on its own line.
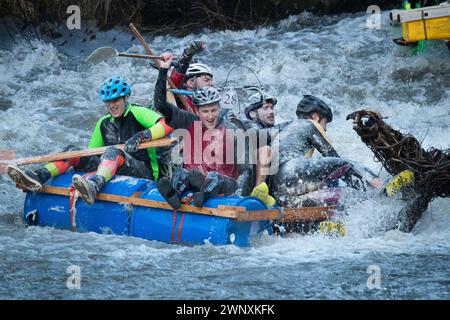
<point>233,212</point>
<point>88,152</point>
<point>141,39</point>
<point>104,53</point>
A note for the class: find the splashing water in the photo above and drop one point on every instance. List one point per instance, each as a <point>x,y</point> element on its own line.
<point>48,100</point>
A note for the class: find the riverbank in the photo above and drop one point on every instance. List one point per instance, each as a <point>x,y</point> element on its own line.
<point>179,17</point>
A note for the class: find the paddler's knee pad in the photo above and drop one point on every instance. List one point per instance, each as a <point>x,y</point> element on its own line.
<point>212,184</point>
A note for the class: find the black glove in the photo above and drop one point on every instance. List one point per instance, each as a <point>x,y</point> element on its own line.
<point>185,59</point>
<point>194,48</point>
<point>132,144</point>
<point>234,119</point>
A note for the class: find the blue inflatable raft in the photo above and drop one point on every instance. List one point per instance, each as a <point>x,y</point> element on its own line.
<point>152,223</point>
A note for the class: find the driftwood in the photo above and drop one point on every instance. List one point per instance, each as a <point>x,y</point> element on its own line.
<point>398,152</point>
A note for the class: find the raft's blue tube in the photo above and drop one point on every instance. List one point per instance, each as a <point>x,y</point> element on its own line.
<point>148,223</point>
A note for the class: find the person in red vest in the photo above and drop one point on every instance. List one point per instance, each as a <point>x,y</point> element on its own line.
<point>205,170</point>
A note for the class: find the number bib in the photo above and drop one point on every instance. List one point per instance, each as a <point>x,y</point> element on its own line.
<point>230,100</point>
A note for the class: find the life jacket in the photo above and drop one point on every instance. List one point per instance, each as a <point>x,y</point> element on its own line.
<point>110,131</point>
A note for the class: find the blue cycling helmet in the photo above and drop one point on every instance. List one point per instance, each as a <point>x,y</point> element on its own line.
<point>113,88</point>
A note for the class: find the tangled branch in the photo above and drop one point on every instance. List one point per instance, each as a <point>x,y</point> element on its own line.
<point>398,152</point>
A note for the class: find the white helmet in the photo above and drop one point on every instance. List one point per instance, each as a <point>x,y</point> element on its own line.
<point>197,69</point>
<point>205,95</point>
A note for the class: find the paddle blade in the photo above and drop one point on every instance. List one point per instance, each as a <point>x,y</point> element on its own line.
<point>101,54</point>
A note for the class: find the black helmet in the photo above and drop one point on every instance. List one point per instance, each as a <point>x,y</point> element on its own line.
<point>311,104</point>
<point>256,101</point>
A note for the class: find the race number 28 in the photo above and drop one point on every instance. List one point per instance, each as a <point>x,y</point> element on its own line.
<point>230,100</point>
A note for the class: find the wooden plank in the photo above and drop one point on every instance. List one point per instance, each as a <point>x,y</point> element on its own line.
<point>233,212</point>
<point>290,214</point>
<point>258,215</point>
<point>137,194</point>
<point>91,152</point>
<point>234,208</point>
<point>147,203</point>
<point>309,213</point>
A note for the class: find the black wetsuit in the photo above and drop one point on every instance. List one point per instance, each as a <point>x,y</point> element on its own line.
<point>298,173</point>
<point>264,134</point>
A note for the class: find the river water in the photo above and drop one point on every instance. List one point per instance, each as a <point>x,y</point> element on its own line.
<point>48,99</point>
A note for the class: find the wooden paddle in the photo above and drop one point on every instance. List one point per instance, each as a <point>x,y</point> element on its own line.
<point>83,153</point>
<point>104,53</point>
<point>147,48</point>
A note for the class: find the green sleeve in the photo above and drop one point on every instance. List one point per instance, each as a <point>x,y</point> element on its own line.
<point>96,138</point>
<point>145,116</point>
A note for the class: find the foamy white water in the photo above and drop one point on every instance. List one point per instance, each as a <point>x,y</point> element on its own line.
<point>48,99</point>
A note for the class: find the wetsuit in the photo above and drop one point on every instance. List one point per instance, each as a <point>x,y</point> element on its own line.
<point>299,173</point>
<point>233,176</point>
<point>264,134</point>
<point>110,131</point>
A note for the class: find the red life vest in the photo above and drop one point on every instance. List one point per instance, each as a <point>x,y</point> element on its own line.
<point>208,151</point>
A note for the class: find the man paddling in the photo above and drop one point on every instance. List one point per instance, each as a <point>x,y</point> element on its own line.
<point>124,123</point>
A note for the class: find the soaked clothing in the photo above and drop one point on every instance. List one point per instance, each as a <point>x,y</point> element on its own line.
<point>413,211</point>
<point>265,132</point>
<point>264,135</point>
<point>112,161</point>
<point>86,164</point>
<point>299,174</point>
<point>119,162</point>
<point>300,138</point>
<point>215,184</point>
<point>111,131</point>
<point>207,155</point>
<point>302,175</point>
